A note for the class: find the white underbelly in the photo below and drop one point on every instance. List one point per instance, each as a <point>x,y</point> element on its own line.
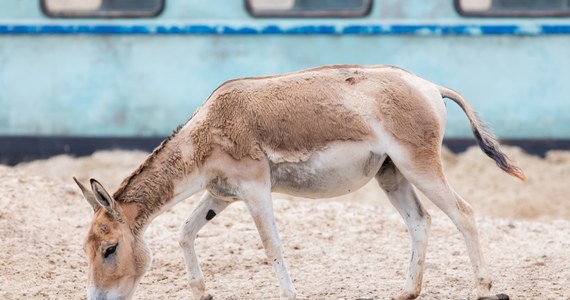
<point>340,169</point>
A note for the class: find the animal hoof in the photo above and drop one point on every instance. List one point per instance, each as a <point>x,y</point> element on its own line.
<point>406,296</point>
<point>210,297</point>
<point>496,297</point>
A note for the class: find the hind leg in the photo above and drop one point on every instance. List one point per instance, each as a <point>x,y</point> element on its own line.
<point>417,219</point>
<point>426,173</point>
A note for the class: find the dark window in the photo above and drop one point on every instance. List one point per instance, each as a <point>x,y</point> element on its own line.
<point>513,8</point>
<point>102,8</point>
<point>308,8</point>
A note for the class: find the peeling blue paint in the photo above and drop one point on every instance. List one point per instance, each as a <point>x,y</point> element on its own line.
<point>273,29</point>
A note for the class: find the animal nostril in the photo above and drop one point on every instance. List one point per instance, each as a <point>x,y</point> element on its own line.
<point>95,294</point>
<point>102,296</point>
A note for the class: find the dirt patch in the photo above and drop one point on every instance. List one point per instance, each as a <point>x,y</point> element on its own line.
<point>353,246</point>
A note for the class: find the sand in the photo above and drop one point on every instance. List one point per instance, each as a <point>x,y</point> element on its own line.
<point>349,247</point>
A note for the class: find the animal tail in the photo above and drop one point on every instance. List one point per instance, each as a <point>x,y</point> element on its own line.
<point>485,138</point>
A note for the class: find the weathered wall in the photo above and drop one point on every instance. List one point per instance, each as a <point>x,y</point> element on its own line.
<point>142,77</point>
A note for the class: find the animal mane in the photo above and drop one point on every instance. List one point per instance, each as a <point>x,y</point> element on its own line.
<point>148,162</point>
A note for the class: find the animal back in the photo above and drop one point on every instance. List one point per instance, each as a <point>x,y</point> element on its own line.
<point>289,116</point>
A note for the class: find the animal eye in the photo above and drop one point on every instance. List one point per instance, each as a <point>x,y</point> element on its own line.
<point>110,250</point>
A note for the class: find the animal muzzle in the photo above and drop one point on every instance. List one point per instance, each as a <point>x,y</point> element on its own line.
<point>97,294</point>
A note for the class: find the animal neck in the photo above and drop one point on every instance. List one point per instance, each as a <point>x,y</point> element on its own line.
<point>155,185</point>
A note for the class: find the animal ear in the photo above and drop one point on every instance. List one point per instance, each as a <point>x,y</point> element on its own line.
<point>88,195</point>
<point>105,200</point>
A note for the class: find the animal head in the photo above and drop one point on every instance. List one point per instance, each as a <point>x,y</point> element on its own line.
<point>116,256</point>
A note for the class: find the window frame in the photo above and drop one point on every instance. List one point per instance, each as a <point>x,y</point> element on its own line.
<point>311,14</point>
<point>102,14</point>
<point>512,14</point>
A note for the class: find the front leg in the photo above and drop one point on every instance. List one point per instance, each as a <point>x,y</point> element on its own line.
<point>207,209</point>
<point>260,206</point>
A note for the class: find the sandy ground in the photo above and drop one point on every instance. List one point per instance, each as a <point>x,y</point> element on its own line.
<point>355,246</point>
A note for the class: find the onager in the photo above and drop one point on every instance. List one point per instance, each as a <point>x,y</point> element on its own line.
<point>321,132</point>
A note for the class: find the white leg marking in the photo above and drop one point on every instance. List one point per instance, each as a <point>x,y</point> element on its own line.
<point>207,208</point>
<point>260,205</point>
<point>435,186</point>
<point>417,219</point>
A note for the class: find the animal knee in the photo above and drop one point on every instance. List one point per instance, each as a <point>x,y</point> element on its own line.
<point>186,236</point>
<point>273,250</point>
<point>185,242</point>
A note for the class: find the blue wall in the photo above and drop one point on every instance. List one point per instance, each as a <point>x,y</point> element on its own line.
<point>143,77</point>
